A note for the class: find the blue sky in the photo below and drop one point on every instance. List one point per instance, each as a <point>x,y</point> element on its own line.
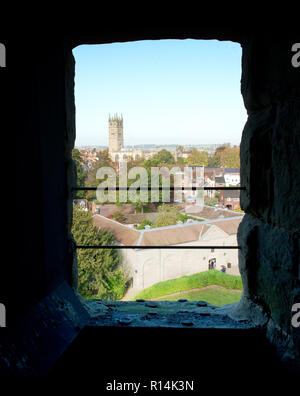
<point>168,91</point>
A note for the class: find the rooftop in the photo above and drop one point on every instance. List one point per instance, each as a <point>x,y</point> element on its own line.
<point>232,170</point>
<point>231,193</point>
<point>164,236</point>
<point>212,213</point>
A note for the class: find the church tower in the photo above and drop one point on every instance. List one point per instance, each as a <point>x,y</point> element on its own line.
<point>116,141</point>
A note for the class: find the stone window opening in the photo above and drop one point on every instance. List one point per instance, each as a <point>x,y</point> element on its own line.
<point>254,219</point>
<point>213,265</point>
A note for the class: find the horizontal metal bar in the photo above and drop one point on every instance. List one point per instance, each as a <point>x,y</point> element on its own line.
<point>154,247</point>
<point>155,188</point>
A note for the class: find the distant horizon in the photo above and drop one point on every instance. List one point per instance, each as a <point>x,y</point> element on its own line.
<point>166,90</point>
<point>159,145</point>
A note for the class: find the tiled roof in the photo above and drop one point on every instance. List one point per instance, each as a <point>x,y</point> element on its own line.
<point>231,193</point>
<point>123,234</point>
<point>164,236</point>
<point>211,213</point>
<point>173,236</point>
<point>230,227</point>
<point>232,170</point>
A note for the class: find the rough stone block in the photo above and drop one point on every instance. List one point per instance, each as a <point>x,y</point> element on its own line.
<point>268,263</point>
<point>270,149</point>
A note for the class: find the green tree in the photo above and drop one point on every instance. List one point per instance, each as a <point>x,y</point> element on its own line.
<point>98,269</point>
<point>226,156</point>
<point>91,180</point>
<point>213,161</point>
<point>197,157</point>
<point>211,201</point>
<point>167,215</point>
<point>162,158</point>
<point>131,163</point>
<point>181,161</point>
<point>81,172</point>
<point>139,206</point>
<point>230,157</point>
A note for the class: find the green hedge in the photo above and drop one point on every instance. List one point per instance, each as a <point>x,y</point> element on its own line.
<point>199,280</point>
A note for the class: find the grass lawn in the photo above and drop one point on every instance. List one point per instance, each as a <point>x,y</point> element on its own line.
<point>213,295</point>
<point>196,281</point>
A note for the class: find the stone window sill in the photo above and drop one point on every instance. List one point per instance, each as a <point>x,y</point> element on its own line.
<point>191,314</point>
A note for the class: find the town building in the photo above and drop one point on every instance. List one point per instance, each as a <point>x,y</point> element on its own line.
<point>145,267</point>
<point>232,176</point>
<point>89,156</point>
<point>230,199</point>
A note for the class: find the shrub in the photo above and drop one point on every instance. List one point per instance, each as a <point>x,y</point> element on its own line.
<point>211,201</point>
<point>143,224</point>
<point>119,216</point>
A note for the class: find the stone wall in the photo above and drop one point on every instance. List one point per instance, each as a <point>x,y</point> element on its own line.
<point>37,86</point>
<point>270,147</point>
<point>148,267</point>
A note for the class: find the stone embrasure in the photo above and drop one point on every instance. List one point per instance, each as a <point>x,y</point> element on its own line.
<point>165,314</point>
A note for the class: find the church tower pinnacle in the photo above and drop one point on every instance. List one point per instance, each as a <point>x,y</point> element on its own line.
<point>116,140</point>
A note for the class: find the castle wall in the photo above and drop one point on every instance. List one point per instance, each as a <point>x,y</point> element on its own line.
<point>148,267</point>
